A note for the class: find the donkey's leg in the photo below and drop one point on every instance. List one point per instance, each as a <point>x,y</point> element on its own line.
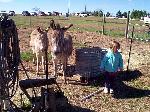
<point>55,67</point>
<point>43,63</point>
<point>37,62</point>
<point>33,60</point>
<point>64,68</point>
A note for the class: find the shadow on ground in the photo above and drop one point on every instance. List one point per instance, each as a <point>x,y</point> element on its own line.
<point>70,108</point>
<point>62,105</point>
<point>123,91</point>
<point>128,75</point>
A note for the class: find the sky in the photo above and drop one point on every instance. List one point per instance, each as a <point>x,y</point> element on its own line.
<point>111,6</point>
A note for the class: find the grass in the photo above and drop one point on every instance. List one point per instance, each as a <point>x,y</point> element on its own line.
<point>113,33</point>
<point>142,36</point>
<point>113,27</point>
<point>26,105</point>
<point>28,56</point>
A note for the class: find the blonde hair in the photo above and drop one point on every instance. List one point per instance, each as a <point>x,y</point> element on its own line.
<point>115,43</point>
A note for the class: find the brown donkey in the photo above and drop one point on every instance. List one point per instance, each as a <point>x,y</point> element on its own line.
<point>61,47</point>
<point>39,43</point>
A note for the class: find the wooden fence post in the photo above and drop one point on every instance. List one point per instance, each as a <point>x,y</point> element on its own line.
<point>103,30</point>
<point>127,25</point>
<point>130,48</point>
<point>30,20</point>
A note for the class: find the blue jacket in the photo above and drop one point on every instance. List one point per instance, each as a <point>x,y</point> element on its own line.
<point>112,62</point>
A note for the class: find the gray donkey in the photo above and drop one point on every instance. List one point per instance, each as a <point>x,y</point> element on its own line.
<point>61,46</point>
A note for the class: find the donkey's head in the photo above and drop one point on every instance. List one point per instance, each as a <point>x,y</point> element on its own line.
<point>57,37</point>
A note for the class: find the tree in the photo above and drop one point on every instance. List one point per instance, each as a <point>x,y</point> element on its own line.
<point>137,14</point>
<point>119,14</point>
<point>95,13</point>
<point>107,14</point>
<point>98,13</point>
<point>124,14</point>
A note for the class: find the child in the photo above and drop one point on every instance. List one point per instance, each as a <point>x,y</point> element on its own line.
<point>110,65</point>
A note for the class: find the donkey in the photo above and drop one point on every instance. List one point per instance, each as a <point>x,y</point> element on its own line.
<point>39,44</point>
<point>61,47</point>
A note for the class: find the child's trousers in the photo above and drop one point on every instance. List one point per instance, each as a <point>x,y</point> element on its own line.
<point>110,79</point>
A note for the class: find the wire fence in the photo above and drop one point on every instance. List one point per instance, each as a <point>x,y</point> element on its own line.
<point>112,27</point>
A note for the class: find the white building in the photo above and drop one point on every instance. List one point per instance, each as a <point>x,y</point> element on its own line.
<point>146,20</point>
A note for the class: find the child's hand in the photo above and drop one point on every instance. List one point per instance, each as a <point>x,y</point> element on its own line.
<point>120,69</point>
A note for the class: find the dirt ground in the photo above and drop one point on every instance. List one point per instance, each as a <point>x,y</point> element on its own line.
<point>133,95</point>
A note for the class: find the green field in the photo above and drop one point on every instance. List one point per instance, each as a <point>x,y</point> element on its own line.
<point>112,27</point>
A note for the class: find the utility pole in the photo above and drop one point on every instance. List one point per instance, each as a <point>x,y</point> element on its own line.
<point>68,11</point>
<point>68,6</point>
<point>85,8</point>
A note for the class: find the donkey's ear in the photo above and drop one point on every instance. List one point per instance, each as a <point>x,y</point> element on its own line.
<point>52,24</point>
<point>70,25</point>
<point>66,27</point>
<point>39,29</point>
